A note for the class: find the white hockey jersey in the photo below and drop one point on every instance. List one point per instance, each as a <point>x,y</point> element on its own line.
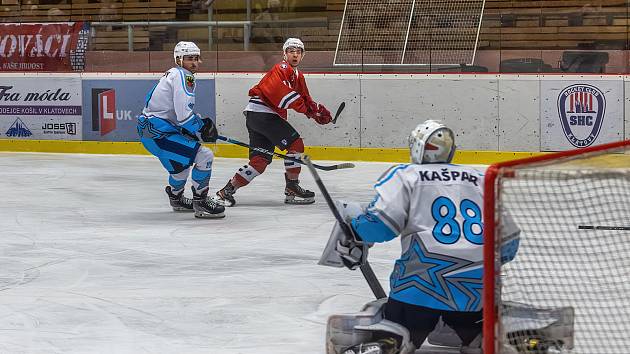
<point>172,100</point>
<point>437,210</point>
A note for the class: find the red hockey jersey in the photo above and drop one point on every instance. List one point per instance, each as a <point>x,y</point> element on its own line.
<point>283,87</point>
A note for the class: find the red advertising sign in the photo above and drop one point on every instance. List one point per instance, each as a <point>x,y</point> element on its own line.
<point>107,111</point>
<point>43,46</point>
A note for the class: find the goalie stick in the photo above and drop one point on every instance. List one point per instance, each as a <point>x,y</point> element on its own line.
<point>272,153</point>
<point>366,269</point>
<point>339,110</point>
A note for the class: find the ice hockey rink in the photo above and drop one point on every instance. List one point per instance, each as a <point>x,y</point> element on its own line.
<point>93,260</point>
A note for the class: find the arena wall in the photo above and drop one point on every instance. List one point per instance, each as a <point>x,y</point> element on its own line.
<point>495,116</point>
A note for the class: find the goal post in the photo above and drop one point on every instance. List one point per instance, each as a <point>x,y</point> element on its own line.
<point>573,260</point>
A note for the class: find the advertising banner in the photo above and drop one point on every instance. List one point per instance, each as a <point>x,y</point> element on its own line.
<point>111,106</point>
<point>43,46</point>
<point>580,113</point>
<point>44,108</point>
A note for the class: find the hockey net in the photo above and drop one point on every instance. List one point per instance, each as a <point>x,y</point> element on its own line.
<point>409,32</point>
<point>573,209</point>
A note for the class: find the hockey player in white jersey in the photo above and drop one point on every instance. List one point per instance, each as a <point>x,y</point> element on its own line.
<point>436,209</point>
<point>170,129</point>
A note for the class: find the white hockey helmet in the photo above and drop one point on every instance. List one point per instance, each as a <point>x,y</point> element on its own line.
<point>185,48</point>
<point>293,43</point>
<point>431,142</point>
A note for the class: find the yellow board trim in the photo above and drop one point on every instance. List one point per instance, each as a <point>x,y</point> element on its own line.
<point>229,150</point>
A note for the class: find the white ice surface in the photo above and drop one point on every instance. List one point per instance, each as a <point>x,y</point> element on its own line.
<point>93,260</point>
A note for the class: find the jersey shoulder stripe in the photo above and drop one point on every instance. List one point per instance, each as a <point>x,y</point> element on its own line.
<point>183,77</point>
<point>390,173</point>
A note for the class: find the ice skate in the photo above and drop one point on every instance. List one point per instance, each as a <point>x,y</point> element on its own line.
<point>225,196</point>
<point>205,207</point>
<point>178,201</point>
<point>294,194</point>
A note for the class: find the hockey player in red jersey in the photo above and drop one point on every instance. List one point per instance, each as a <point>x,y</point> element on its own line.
<point>282,88</point>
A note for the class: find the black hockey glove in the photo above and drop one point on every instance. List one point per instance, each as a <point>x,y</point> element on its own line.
<point>208,132</point>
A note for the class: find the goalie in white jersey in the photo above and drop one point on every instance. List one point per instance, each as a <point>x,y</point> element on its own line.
<point>436,208</point>
<point>171,130</point>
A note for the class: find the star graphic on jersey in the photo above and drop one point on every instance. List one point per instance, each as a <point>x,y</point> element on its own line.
<point>471,289</point>
<point>429,273</point>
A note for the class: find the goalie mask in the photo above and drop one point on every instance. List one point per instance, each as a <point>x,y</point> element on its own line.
<point>184,48</point>
<point>431,142</point>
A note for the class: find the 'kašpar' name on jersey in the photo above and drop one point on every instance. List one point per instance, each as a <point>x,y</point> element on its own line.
<point>446,175</point>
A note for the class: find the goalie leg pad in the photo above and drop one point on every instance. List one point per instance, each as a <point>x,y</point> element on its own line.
<point>381,346</point>
<point>358,332</point>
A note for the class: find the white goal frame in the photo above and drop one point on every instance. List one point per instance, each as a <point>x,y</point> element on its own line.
<point>404,49</point>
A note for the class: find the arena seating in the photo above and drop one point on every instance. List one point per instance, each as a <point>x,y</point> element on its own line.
<point>507,24</point>
<point>552,24</point>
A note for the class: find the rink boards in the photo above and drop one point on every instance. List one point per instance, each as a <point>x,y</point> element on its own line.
<point>493,115</point>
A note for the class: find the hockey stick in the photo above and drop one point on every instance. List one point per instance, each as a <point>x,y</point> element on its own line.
<point>339,110</point>
<point>290,158</point>
<point>615,228</point>
<point>366,269</point>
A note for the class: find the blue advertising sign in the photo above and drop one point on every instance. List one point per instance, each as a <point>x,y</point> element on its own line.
<point>110,106</point>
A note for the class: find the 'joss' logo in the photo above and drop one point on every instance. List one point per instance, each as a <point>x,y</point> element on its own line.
<point>581,108</point>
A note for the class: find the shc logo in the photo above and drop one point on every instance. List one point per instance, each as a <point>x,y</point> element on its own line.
<point>18,129</point>
<point>581,109</point>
